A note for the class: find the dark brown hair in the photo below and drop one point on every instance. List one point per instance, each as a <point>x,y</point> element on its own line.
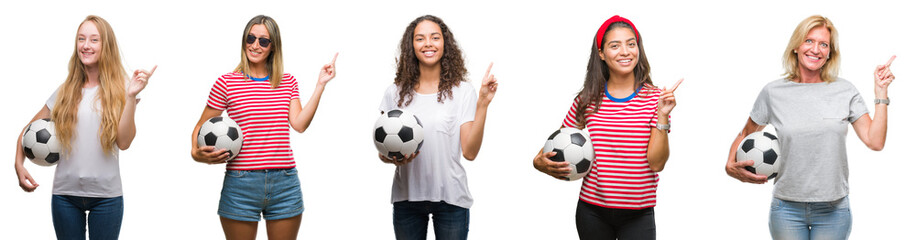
<point>597,75</point>
<point>408,75</point>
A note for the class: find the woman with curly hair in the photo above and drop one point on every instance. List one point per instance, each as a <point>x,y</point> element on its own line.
<point>431,83</point>
<point>93,114</point>
<point>627,119</point>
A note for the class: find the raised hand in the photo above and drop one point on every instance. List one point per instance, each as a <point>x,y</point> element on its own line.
<point>883,78</point>
<point>139,80</point>
<point>328,72</point>
<point>666,101</point>
<point>488,86</point>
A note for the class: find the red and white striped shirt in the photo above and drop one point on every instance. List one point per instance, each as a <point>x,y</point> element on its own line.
<point>621,177</point>
<point>263,115</point>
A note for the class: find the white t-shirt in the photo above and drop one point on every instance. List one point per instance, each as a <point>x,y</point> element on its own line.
<point>436,173</point>
<point>87,171</point>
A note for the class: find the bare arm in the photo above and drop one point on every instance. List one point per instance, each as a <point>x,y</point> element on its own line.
<point>874,132</point>
<point>300,118</point>
<point>25,179</point>
<point>127,130</point>
<point>736,169</point>
<point>472,132</point>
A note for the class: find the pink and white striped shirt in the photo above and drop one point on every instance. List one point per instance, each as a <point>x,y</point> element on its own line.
<point>263,115</point>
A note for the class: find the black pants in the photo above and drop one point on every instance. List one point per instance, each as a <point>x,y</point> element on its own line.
<point>595,222</point>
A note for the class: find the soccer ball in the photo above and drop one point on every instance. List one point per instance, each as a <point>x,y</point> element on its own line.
<point>763,148</point>
<point>573,146</point>
<point>40,144</point>
<point>398,133</point>
<point>222,133</point>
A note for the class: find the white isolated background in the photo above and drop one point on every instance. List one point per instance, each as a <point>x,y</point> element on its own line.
<point>727,51</point>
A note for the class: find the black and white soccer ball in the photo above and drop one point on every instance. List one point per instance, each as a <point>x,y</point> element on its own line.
<point>763,148</point>
<point>398,133</point>
<point>221,133</point>
<point>573,146</point>
<point>40,144</point>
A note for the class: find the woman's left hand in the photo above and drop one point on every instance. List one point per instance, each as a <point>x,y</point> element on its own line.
<point>138,81</point>
<point>883,78</point>
<point>328,72</point>
<point>666,101</point>
<point>488,86</point>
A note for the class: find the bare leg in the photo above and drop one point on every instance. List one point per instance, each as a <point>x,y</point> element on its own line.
<point>283,229</point>
<point>239,230</point>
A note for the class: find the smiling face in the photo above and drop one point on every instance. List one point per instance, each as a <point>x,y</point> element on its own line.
<point>428,43</point>
<point>89,44</point>
<point>815,50</point>
<point>255,52</point>
<point>620,50</point>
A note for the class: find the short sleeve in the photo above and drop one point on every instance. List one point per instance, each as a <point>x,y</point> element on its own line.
<point>294,88</point>
<point>468,104</point>
<point>388,100</point>
<point>51,100</point>
<point>857,106</point>
<point>760,114</point>
<point>570,120</point>
<point>218,95</point>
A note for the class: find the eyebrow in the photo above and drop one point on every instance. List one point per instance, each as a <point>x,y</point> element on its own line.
<point>616,41</point>
<point>421,35</point>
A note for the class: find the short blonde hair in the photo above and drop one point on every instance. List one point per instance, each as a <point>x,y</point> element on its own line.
<point>790,61</point>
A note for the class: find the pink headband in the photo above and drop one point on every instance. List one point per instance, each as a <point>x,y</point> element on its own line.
<point>615,18</point>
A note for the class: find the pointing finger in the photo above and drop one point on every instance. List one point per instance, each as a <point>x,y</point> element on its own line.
<point>334,60</point>
<point>676,84</point>
<point>890,61</point>
<point>487,74</point>
<point>151,71</point>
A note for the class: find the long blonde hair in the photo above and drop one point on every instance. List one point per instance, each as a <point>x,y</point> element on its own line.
<point>275,59</point>
<point>111,91</point>
<point>831,69</point>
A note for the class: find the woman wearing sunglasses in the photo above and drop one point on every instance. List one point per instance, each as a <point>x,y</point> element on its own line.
<point>262,179</point>
<point>93,113</point>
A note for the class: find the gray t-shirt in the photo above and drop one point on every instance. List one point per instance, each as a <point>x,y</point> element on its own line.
<point>87,171</point>
<point>811,121</point>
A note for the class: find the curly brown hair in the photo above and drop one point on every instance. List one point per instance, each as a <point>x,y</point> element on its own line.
<point>408,75</point>
<point>597,74</point>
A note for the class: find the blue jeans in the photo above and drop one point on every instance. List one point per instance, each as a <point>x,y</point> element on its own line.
<point>275,193</point>
<point>69,215</point>
<point>810,220</point>
<point>411,220</point>
<point>596,222</point>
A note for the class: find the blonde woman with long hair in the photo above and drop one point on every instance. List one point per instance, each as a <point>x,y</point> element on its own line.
<point>93,113</point>
<point>262,180</point>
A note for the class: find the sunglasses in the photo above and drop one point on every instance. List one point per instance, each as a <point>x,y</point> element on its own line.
<point>264,42</point>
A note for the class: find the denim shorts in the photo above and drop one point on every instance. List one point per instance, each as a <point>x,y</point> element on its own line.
<point>247,195</point>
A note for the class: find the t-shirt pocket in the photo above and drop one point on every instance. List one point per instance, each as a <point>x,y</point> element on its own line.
<point>445,122</point>
<point>834,111</point>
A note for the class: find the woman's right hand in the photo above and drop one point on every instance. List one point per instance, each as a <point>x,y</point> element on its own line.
<point>558,170</point>
<point>736,169</point>
<point>209,155</point>
<point>25,179</point>
<point>407,159</point>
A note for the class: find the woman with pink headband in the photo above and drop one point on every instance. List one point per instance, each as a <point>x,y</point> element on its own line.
<point>627,118</point>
